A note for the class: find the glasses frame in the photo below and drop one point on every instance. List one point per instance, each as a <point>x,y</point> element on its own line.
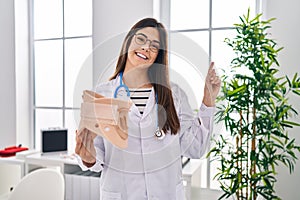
<point>151,47</point>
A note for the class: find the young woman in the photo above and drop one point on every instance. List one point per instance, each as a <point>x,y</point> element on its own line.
<point>161,125</point>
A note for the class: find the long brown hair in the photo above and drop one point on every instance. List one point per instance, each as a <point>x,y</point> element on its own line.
<point>158,74</point>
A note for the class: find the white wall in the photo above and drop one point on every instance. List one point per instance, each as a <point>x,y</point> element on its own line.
<point>24,114</point>
<point>112,20</point>
<point>9,173</point>
<point>286,31</point>
<point>7,74</point>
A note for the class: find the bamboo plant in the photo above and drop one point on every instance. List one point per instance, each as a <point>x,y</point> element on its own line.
<point>255,108</point>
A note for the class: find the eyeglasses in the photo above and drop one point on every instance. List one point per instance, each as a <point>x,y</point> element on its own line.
<point>142,39</point>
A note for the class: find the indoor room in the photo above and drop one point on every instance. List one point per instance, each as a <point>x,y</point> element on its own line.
<point>207,107</point>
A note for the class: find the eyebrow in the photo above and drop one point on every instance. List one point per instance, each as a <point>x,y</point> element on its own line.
<point>147,37</point>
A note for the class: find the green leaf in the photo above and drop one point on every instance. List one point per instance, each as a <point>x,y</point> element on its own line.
<point>241,88</point>
<point>283,112</point>
<point>291,123</point>
<point>256,18</point>
<point>290,144</point>
<point>241,20</point>
<point>269,48</point>
<point>277,95</point>
<point>253,156</point>
<point>296,92</point>
<point>215,149</point>
<point>282,84</point>
<point>276,139</point>
<point>248,14</point>
<point>294,78</point>
<point>269,20</point>
<point>290,84</point>
<point>267,182</point>
<point>291,153</point>
<point>262,58</point>
<point>279,49</point>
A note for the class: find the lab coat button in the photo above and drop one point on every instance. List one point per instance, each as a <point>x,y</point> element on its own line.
<point>97,125</point>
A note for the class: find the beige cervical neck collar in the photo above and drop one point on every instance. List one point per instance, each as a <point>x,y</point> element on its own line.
<point>106,117</point>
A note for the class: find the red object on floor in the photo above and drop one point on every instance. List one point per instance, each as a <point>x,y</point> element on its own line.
<point>11,151</point>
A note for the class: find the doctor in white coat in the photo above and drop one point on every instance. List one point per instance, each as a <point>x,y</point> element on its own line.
<point>161,123</point>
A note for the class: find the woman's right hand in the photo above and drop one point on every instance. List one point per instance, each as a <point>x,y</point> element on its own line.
<point>85,147</point>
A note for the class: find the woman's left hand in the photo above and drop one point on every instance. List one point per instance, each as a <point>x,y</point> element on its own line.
<point>212,87</point>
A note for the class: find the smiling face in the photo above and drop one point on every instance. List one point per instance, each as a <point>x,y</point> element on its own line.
<point>143,49</point>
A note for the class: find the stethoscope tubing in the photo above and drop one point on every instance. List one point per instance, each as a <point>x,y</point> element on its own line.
<point>121,86</point>
<point>159,133</point>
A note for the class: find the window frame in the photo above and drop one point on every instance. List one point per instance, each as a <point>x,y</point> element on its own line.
<point>32,40</point>
<point>163,12</point>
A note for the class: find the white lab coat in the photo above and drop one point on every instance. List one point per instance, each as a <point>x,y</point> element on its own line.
<point>150,168</point>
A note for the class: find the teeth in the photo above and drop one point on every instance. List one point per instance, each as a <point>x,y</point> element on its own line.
<point>141,55</point>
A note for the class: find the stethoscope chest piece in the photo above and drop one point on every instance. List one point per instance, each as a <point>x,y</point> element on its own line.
<point>160,134</point>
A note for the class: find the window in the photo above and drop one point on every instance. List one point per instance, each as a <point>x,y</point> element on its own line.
<point>198,30</point>
<point>61,62</point>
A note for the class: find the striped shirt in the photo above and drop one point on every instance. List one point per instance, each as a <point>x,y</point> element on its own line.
<point>140,96</point>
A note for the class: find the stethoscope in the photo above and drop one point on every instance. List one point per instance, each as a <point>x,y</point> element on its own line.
<point>122,92</point>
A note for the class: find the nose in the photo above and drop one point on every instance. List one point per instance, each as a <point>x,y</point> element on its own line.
<point>146,46</point>
<point>145,49</point>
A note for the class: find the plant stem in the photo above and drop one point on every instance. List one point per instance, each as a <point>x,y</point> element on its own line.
<point>237,165</point>
<point>247,166</point>
<point>253,147</point>
<point>240,149</point>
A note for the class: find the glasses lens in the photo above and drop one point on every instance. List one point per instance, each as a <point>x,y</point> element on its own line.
<point>140,39</point>
<point>154,46</point>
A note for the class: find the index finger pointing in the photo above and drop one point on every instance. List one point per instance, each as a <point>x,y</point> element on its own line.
<point>211,66</point>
